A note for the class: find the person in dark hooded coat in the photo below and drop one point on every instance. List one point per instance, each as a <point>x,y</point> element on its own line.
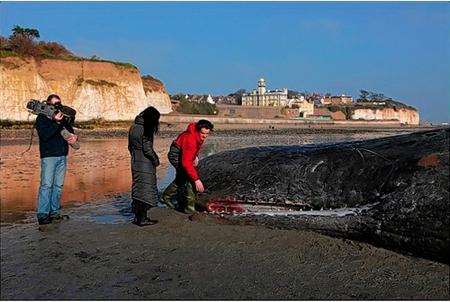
<point>144,161</point>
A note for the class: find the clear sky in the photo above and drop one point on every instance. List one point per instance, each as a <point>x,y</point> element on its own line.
<point>399,49</point>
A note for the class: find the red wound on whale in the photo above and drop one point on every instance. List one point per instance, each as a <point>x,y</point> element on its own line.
<point>431,160</point>
<point>224,206</point>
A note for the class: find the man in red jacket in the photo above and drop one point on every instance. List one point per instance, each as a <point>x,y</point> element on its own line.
<point>183,155</point>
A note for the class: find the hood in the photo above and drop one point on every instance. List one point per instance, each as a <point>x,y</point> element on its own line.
<point>139,119</point>
<point>191,129</point>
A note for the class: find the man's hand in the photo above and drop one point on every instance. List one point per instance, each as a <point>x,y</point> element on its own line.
<point>199,186</point>
<point>72,139</point>
<point>58,117</point>
<point>196,161</point>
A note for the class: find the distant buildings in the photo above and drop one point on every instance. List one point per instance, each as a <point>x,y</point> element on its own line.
<point>195,98</point>
<point>337,100</point>
<point>261,103</point>
<point>226,99</point>
<point>263,97</point>
<point>295,107</point>
<point>305,108</point>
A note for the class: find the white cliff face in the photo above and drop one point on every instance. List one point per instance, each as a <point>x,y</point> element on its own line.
<point>403,115</point>
<point>95,89</point>
<point>16,87</point>
<point>160,101</point>
<point>156,94</point>
<point>117,103</point>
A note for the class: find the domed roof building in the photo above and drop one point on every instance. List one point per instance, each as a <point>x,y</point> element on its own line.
<point>262,97</point>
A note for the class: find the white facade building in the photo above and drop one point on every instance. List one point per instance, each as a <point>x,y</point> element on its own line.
<point>263,97</point>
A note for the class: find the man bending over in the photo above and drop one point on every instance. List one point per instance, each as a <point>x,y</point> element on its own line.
<point>183,155</point>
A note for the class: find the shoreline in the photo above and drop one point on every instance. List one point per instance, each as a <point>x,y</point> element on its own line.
<point>232,129</point>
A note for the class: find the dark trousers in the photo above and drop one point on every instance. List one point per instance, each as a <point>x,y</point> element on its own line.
<point>181,187</point>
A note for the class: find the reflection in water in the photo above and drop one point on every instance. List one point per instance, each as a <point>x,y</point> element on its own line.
<point>101,168</point>
<point>167,179</point>
<point>97,171</point>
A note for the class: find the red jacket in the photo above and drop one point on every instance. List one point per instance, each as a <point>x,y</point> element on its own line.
<point>189,142</point>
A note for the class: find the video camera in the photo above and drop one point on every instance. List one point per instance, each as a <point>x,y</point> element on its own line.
<point>38,107</point>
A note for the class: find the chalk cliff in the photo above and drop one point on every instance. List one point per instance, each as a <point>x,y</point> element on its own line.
<point>156,94</point>
<point>95,89</point>
<point>387,110</point>
<point>403,115</point>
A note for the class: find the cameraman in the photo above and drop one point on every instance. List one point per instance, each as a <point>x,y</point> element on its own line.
<point>53,150</point>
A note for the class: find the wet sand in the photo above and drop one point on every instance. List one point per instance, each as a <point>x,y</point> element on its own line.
<point>89,258</point>
<point>98,254</point>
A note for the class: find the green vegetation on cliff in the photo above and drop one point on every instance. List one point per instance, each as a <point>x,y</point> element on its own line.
<point>369,99</point>
<point>197,108</point>
<point>79,81</point>
<point>23,42</point>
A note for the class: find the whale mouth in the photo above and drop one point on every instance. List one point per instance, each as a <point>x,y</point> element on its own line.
<point>239,208</point>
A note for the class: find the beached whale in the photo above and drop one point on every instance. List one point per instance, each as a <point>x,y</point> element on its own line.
<point>392,191</point>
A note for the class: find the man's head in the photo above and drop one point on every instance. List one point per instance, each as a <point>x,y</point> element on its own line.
<point>204,127</point>
<point>53,99</point>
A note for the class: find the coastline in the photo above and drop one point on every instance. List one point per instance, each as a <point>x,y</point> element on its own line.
<point>119,129</point>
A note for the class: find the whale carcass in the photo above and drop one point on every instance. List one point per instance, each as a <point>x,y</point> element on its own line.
<point>392,191</point>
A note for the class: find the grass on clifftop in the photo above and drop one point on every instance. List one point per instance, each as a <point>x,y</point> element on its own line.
<point>118,64</point>
<point>9,53</point>
<point>24,43</point>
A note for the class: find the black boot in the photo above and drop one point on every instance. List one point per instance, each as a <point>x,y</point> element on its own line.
<point>45,220</point>
<point>141,218</point>
<point>59,217</point>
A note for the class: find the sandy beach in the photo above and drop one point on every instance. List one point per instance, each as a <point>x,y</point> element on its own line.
<point>98,254</point>
<point>90,258</point>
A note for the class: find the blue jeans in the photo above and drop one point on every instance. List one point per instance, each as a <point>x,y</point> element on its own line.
<point>53,170</point>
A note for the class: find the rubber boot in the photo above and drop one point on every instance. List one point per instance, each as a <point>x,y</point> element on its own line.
<point>191,198</point>
<point>141,219</point>
<point>169,192</point>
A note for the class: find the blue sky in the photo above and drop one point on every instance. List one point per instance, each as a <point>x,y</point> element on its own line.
<point>399,49</point>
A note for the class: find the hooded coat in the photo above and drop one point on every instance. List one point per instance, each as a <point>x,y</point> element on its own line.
<point>144,161</point>
<point>189,143</point>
